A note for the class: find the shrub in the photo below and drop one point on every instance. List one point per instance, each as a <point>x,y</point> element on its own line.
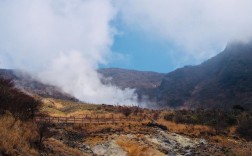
<point>169,116</point>
<point>44,132</point>
<point>217,119</point>
<point>245,126</point>
<point>125,111</point>
<point>21,105</point>
<point>239,108</point>
<point>136,110</point>
<point>155,116</point>
<point>157,125</point>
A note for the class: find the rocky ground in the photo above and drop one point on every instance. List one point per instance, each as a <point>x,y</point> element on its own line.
<point>146,138</point>
<point>108,142</point>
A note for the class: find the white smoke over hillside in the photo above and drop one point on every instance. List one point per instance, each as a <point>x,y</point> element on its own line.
<point>62,42</point>
<point>201,28</point>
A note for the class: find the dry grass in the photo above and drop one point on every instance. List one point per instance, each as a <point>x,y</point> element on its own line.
<point>17,137</point>
<point>55,107</point>
<point>233,147</point>
<point>95,131</point>
<point>61,108</point>
<point>133,148</point>
<point>95,140</point>
<point>59,148</point>
<point>190,130</point>
<point>230,146</point>
<point>51,111</point>
<point>232,130</point>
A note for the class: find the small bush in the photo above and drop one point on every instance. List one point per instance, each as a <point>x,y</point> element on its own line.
<point>157,125</point>
<point>126,111</point>
<point>137,110</point>
<point>44,132</point>
<point>245,126</point>
<point>238,108</point>
<point>155,116</point>
<point>21,105</point>
<point>217,119</point>
<point>169,117</point>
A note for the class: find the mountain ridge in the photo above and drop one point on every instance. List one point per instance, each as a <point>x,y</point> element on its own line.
<point>127,78</point>
<point>220,82</point>
<point>141,81</point>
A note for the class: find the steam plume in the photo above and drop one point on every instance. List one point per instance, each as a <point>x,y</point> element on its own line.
<point>62,42</point>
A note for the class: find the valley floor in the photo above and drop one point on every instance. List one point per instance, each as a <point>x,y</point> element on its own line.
<point>142,132</point>
<point>153,136</point>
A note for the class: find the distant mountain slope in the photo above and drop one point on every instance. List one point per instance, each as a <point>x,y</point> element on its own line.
<point>143,82</point>
<point>131,78</point>
<point>220,82</point>
<point>28,84</point>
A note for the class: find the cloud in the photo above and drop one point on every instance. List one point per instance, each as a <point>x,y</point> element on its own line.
<point>84,82</point>
<point>62,42</point>
<point>45,28</point>
<point>197,27</point>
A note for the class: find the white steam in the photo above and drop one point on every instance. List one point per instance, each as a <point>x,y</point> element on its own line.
<point>76,75</point>
<point>62,42</point>
<point>200,27</point>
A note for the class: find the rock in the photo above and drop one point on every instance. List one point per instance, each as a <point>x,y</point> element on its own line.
<point>171,153</point>
<point>108,149</point>
<point>41,154</point>
<point>187,147</point>
<point>85,148</point>
<point>71,144</point>
<point>99,150</point>
<point>202,141</point>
